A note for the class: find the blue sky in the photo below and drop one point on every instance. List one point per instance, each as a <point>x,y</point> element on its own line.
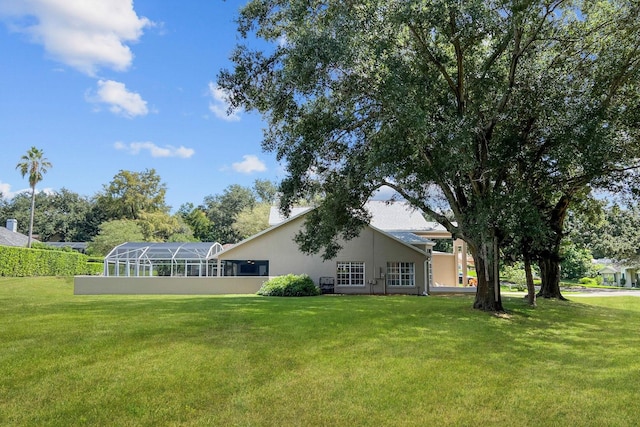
<point>103,86</point>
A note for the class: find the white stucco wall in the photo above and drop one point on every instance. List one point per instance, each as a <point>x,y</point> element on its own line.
<point>444,270</point>
<point>101,285</point>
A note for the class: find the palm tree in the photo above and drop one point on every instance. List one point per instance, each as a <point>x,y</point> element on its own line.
<point>35,165</point>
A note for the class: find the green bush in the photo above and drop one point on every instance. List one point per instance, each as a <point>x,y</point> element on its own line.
<point>513,273</point>
<point>589,281</point>
<point>290,285</point>
<point>94,268</point>
<point>576,262</point>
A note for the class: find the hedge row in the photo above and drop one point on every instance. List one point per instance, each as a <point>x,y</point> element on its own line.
<point>23,262</point>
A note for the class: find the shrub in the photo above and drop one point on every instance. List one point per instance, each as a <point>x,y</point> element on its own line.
<point>290,285</point>
<point>589,281</point>
<point>21,262</point>
<point>513,273</point>
<point>94,268</point>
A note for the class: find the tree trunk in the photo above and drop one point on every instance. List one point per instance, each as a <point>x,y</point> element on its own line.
<point>33,207</point>
<point>488,296</point>
<point>549,260</point>
<point>531,290</point>
<point>550,275</point>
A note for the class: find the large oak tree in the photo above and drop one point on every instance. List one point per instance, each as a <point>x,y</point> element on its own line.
<point>455,105</point>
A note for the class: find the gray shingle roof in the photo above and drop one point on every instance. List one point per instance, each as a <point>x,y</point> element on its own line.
<point>386,216</point>
<point>76,246</point>
<point>396,216</point>
<point>410,238</point>
<point>10,238</point>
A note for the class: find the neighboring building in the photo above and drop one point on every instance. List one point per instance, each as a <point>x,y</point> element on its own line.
<point>76,246</point>
<point>9,236</point>
<point>614,274</point>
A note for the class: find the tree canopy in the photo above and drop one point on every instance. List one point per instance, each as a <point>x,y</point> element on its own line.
<point>132,194</point>
<point>59,216</point>
<point>114,233</point>
<point>611,232</point>
<point>135,202</point>
<point>233,215</point>
<point>493,110</point>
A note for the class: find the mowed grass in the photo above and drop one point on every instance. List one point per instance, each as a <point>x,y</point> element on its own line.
<point>321,361</point>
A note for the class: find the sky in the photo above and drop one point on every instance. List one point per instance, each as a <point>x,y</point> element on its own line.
<point>107,85</point>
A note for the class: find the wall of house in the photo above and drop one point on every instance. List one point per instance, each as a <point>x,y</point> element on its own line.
<point>631,278</point>
<point>371,247</point>
<point>101,285</point>
<point>444,270</point>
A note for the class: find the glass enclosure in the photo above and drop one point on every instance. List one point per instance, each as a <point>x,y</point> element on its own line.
<point>133,259</point>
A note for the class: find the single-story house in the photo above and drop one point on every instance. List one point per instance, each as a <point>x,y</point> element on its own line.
<point>614,274</point>
<point>393,254</point>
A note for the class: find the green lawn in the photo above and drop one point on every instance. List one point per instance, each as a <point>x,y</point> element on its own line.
<point>330,361</point>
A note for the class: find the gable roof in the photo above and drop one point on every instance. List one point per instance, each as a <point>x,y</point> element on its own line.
<point>609,269</point>
<point>406,239</point>
<point>276,217</point>
<point>12,238</point>
<point>614,266</point>
<point>291,218</point>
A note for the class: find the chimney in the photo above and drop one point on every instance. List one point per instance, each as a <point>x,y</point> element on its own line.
<point>12,225</point>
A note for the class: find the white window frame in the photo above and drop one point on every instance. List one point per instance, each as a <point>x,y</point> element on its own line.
<point>350,273</point>
<point>401,274</point>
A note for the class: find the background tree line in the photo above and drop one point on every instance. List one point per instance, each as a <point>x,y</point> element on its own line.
<point>132,207</point>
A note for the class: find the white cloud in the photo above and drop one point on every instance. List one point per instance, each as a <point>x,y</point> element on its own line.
<point>250,164</point>
<point>5,190</point>
<point>219,104</point>
<point>283,41</point>
<point>120,100</point>
<point>7,194</point>
<point>385,193</point>
<point>154,150</point>
<point>84,34</point>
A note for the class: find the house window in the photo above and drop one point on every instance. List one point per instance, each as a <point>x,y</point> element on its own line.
<point>401,274</point>
<point>245,268</point>
<point>350,273</point>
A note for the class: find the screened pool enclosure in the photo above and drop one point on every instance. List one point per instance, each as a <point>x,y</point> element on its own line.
<point>195,259</point>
